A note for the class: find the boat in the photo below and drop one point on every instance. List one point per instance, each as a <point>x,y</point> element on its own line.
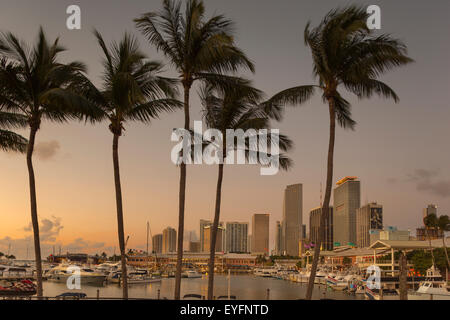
<point>107,267</point>
<point>142,277</point>
<point>61,274</point>
<point>15,272</point>
<point>19,288</point>
<point>385,294</point>
<point>433,288</point>
<point>320,277</point>
<point>191,274</point>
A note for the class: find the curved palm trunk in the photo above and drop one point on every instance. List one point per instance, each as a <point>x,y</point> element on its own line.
<point>120,215</point>
<point>182,200</point>
<point>326,201</point>
<point>34,215</point>
<point>445,248</point>
<point>212,249</point>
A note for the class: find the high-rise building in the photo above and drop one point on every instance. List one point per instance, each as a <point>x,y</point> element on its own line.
<point>157,241</point>
<point>260,234</point>
<point>347,198</point>
<point>430,209</point>
<point>194,246</point>
<point>278,239</point>
<point>423,233</point>
<point>169,240</point>
<point>368,217</point>
<point>203,224</point>
<point>314,224</point>
<point>236,237</point>
<point>220,238</point>
<point>292,219</point>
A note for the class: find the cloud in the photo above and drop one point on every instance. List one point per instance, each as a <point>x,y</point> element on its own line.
<point>428,181</point>
<point>48,229</point>
<point>47,150</point>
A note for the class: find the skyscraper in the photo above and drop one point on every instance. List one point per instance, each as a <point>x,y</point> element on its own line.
<point>203,224</point>
<point>423,233</point>
<point>236,237</point>
<point>347,198</point>
<point>430,209</point>
<point>368,217</point>
<point>314,224</point>
<point>260,233</point>
<point>220,239</point>
<point>169,243</point>
<point>292,219</point>
<point>157,241</point>
<point>278,239</point>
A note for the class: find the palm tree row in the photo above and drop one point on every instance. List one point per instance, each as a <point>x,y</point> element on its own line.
<point>36,86</point>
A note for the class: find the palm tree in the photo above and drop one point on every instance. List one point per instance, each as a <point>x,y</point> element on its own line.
<point>443,225</point>
<point>36,85</point>
<point>199,49</point>
<point>345,54</point>
<point>430,221</point>
<point>133,90</point>
<point>11,141</point>
<point>235,109</point>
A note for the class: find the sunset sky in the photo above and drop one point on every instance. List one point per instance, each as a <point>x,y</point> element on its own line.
<point>400,152</point>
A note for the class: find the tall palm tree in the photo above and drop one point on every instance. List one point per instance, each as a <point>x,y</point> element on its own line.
<point>235,109</point>
<point>345,54</point>
<point>199,49</point>
<point>11,141</point>
<point>444,226</point>
<point>430,221</point>
<point>133,90</point>
<point>36,85</point>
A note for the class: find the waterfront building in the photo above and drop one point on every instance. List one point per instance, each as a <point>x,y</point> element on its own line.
<point>236,237</point>
<point>292,219</point>
<point>157,243</point>
<point>169,243</point>
<point>368,217</point>
<point>220,238</point>
<point>347,198</point>
<point>314,223</point>
<point>260,234</point>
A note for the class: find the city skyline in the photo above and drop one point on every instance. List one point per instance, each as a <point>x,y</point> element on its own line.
<point>80,212</point>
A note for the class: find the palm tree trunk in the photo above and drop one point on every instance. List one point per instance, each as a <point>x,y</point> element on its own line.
<point>34,214</point>
<point>445,249</point>
<point>429,242</point>
<point>120,226</point>
<point>326,201</point>
<point>403,289</point>
<point>215,226</point>
<point>182,200</point>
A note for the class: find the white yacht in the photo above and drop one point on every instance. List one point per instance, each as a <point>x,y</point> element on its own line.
<point>191,274</point>
<point>433,288</point>
<point>61,273</point>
